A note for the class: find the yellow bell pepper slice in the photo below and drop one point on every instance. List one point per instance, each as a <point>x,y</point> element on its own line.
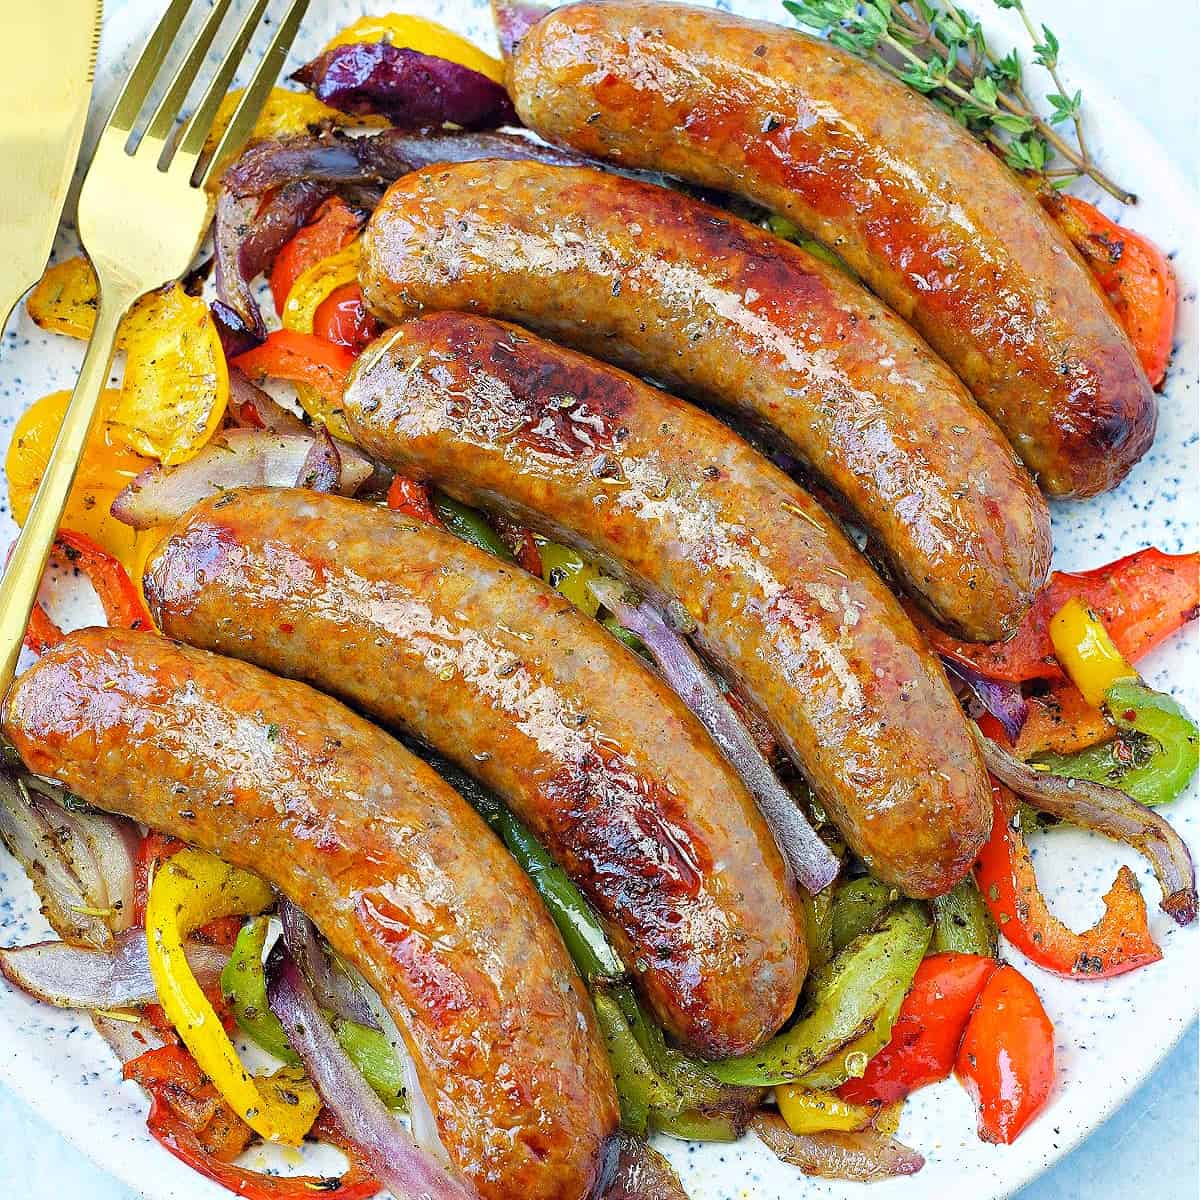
<point>189,890</point>
<point>176,383</point>
<point>307,293</point>
<point>1086,652</point>
<point>108,464</point>
<point>423,35</point>
<point>65,299</point>
<point>569,573</point>
<point>807,1111</point>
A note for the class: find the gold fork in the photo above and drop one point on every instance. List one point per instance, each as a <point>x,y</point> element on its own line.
<point>143,211</point>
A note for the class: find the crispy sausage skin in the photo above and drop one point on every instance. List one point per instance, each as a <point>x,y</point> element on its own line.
<point>502,675</point>
<point>395,868</point>
<point>928,217</point>
<point>673,500</point>
<point>721,310</point>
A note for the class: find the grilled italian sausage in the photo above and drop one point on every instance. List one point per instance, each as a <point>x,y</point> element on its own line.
<point>510,681</point>
<point>926,215</point>
<point>398,872</point>
<point>725,312</point>
<point>677,503</point>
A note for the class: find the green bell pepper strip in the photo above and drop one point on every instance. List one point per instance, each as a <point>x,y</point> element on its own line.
<point>791,232</point>
<point>851,1060</point>
<point>630,639</point>
<point>856,905</point>
<point>244,986</point>
<point>639,1088</point>
<point>1151,776</point>
<point>818,926</point>
<point>469,525</point>
<point>962,922</point>
<point>371,1052</point>
<point>845,1002</point>
<point>581,930</point>
<point>696,1126</point>
<point>689,1085</point>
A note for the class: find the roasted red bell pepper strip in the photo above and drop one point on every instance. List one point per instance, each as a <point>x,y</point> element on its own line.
<point>1142,599</point>
<point>410,497</point>
<point>1120,941</point>
<point>122,602</point>
<point>177,1090</point>
<point>1006,1060</point>
<point>927,1032</point>
<point>334,226</point>
<point>1136,276</point>
<point>300,358</point>
<point>342,318</point>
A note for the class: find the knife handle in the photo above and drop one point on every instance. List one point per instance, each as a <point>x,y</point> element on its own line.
<point>23,576</point>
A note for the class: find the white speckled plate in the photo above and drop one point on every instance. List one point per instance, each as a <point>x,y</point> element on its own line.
<point>1110,1034</point>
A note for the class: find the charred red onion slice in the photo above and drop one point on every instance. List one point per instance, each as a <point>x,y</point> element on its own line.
<point>864,1157</point>
<point>322,467</point>
<point>233,220</point>
<point>398,1162</point>
<point>1004,700</point>
<point>1108,811</point>
<point>71,977</point>
<point>127,1039</point>
<point>104,849</point>
<point>277,221</point>
<point>236,333</point>
<point>411,89</point>
<point>339,161</point>
<point>234,458</point>
<point>333,989</point>
<point>641,1173</point>
<point>252,408</point>
<point>59,858</point>
<point>810,860</point>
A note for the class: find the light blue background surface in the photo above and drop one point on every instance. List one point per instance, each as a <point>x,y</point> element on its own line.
<point>1149,1148</point>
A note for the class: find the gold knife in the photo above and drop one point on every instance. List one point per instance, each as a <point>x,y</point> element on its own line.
<point>49,52</point>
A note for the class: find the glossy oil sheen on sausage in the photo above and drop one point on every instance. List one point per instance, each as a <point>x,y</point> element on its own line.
<point>677,503</point>
<point>933,221</point>
<point>721,310</point>
<point>397,870</point>
<point>502,675</point>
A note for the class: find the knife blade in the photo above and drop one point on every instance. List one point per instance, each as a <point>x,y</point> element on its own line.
<point>47,61</point>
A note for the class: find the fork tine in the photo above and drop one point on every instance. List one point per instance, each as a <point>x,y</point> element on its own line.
<point>261,82</point>
<point>191,143</point>
<point>163,119</point>
<point>141,79</point>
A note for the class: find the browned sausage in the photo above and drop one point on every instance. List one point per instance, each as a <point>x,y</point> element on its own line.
<point>673,500</point>
<point>397,871</point>
<point>510,681</point>
<point>924,213</point>
<point>725,312</point>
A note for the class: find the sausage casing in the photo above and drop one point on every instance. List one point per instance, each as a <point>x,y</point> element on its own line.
<point>721,310</point>
<point>502,675</point>
<point>673,500</point>
<point>397,870</point>
<point>924,213</point>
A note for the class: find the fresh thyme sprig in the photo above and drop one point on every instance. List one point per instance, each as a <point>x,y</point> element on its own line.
<point>938,49</point>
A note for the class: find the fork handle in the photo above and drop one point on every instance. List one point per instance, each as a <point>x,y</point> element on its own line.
<point>23,576</point>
